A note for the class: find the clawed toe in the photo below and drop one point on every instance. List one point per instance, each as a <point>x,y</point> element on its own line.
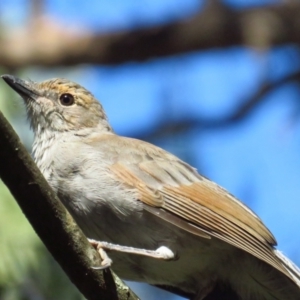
<point>106,262</point>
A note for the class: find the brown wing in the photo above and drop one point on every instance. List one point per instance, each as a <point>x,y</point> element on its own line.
<point>165,182</point>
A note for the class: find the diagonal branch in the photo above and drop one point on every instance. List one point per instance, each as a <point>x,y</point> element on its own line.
<point>244,110</point>
<point>53,223</point>
<point>48,44</point>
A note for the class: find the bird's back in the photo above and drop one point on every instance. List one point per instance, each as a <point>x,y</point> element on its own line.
<point>111,208</point>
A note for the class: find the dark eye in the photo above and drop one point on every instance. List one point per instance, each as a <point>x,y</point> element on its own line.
<point>66,99</point>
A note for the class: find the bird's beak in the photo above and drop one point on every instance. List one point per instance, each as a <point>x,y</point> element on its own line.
<point>25,89</point>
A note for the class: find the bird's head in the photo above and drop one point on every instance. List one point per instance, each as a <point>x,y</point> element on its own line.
<point>59,105</point>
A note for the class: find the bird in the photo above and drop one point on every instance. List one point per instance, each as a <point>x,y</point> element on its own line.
<point>160,220</point>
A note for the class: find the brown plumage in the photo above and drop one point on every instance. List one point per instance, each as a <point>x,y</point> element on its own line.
<point>128,192</point>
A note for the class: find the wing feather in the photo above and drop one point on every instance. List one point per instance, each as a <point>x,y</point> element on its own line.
<point>174,191</point>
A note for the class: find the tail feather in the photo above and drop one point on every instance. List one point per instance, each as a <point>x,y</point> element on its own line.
<point>258,280</point>
<point>293,270</point>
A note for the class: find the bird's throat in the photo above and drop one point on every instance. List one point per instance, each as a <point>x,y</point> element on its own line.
<point>42,148</point>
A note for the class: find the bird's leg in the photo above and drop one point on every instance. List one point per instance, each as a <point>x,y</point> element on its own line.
<point>162,252</point>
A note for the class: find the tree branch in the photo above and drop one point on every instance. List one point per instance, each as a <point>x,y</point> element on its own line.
<point>215,27</point>
<point>53,223</point>
<point>245,109</point>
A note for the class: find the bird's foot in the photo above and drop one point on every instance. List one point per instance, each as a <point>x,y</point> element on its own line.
<point>163,253</point>
<point>106,262</point>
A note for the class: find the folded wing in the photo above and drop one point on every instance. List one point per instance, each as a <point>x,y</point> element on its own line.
<point>174,191</point>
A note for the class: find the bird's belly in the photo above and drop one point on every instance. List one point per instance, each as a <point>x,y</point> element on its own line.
<point>197,259</point>
<point>189,272</point>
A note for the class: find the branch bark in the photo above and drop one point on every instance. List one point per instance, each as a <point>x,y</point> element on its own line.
<point>53,223</point>
<point>215,27</point>
<point>239,114</point>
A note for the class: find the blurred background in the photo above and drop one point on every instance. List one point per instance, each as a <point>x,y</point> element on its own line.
<point>214,82</point>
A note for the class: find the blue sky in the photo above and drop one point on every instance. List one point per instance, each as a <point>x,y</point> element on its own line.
<point>257,160</point>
